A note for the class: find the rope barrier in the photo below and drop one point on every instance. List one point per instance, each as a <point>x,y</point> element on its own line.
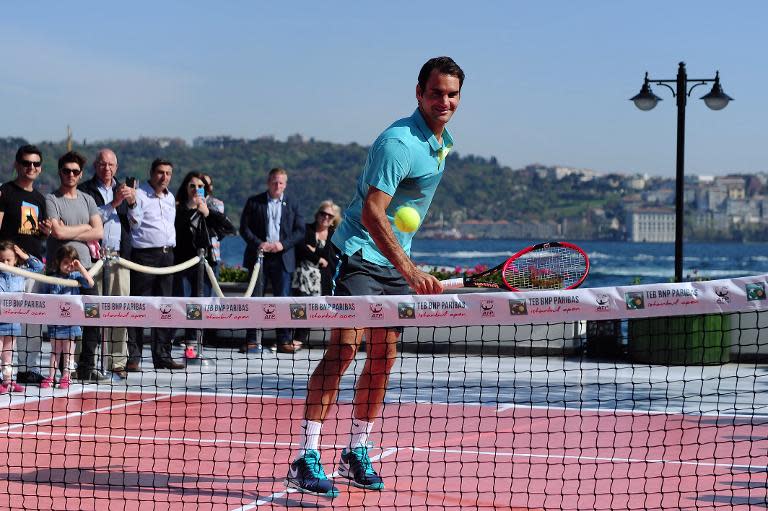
<point>214,283</point>
<point>98,267</point>
<point>254,275</point>
<point>165,270</point>
<point>95,269</point>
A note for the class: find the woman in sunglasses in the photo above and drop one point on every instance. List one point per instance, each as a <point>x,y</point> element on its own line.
<point>193,217</point>
<point>316,260</point>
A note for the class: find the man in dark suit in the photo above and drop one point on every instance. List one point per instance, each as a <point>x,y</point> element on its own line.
<point>119,210</point>
<point>271,223</point>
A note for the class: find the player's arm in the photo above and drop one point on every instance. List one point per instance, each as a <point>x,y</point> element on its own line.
<point>374,218</point>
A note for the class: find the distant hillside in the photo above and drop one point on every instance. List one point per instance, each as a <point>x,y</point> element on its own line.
<point>474,188</point>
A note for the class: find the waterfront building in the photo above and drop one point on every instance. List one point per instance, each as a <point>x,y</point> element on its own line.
<point>651,225</point>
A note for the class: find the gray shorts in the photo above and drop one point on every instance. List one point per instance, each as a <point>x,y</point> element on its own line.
<point>357,277</point>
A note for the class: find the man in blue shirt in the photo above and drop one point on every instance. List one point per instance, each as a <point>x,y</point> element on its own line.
<point>271,223</point>
<point>403,168</point>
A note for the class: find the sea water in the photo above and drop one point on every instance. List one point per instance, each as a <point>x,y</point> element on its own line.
<point>613,263</point>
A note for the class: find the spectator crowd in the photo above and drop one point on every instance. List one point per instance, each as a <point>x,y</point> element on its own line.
<point>107,215</point>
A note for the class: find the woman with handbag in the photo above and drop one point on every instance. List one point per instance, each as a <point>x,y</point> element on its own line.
<point>316,260</point>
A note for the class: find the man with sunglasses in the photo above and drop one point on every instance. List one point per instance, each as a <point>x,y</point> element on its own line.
<point>75,221</point>
<point>23,220</point>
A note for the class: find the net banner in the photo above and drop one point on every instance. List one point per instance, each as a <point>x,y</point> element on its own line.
<point>717,296</point>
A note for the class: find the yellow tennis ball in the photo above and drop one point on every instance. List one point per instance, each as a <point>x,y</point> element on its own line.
<point>407,219</point>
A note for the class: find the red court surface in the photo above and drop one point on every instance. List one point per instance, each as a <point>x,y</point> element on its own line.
<point>126,451</point>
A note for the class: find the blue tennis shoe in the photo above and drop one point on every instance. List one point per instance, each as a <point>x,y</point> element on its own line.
<point>355,465</point>
<point>306,474</point>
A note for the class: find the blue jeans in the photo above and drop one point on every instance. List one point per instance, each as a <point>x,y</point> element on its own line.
<point>272,271</point>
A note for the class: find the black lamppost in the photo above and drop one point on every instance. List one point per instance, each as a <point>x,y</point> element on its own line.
<point>716,99</point>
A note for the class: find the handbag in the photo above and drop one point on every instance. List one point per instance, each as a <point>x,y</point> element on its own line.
<point>306,278</point>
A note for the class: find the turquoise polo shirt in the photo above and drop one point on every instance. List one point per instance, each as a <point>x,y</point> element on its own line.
<point>405,162</point>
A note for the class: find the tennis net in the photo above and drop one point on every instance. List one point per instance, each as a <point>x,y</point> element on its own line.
<point>641,397</point>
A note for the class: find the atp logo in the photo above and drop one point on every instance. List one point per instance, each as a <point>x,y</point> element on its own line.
<point>722,295</point>
<point>165,311</point>
<point>602,302</point>
<point>486,306</point>
<point>377,310</point>
<point>269,310</point>
<point>65,310</point>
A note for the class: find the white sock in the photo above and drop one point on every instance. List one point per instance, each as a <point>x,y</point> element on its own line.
<point>310,436</point>
<point>361,430</point>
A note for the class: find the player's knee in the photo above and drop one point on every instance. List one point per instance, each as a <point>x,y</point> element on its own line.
<point>340,355</point>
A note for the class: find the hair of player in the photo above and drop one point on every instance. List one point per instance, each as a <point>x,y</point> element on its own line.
<point>443,65</point>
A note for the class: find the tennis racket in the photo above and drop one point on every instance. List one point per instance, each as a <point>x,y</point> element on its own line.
<point>551,265</point>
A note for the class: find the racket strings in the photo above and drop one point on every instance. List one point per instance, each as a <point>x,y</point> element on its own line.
<point>546,268</point>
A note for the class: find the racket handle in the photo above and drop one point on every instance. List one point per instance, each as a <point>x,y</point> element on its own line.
<point>453,283</point>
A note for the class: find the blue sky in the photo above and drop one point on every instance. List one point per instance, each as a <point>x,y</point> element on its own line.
<point>547,82</point>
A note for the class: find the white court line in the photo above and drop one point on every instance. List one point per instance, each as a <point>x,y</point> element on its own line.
<point>149,438</point>
<point>159,439</point>
<point>630,411</point>
<point>80,414</point>
<point>550,456</point>
<point>387,452</point>
<point>499,408</point>
<point>277,495</point>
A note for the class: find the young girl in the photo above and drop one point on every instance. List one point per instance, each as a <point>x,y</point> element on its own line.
<point>12,255</point>
<point>68,266</point>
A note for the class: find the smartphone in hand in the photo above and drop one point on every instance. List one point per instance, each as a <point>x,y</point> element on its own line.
<point>130,182</point>
<point>201,192</point>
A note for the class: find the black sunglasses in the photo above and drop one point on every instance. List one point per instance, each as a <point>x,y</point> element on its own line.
<point>73,172</point>
<point>27,163</point>
<point>324,214</point>
<point>193,185</point>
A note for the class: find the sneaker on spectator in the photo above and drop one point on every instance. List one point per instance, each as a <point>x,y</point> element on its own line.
<point>306,474</point>
<point>355,465</point>
<point>64,383</point>
<point>14,387</point>
<point>47,383</point>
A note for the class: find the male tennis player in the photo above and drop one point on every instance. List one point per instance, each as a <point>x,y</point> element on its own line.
<point>404,167</point>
